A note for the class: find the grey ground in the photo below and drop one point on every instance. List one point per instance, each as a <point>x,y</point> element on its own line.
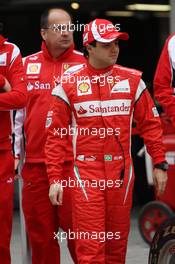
<point>137,249</point>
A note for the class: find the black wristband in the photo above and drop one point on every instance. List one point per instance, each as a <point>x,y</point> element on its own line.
<point>162,166</point>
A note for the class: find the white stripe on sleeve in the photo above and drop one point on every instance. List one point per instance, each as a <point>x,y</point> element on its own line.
<point>141,87</point>
<point>59,91</point>
<point>18,133</point>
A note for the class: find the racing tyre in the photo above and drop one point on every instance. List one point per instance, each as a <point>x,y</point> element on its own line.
<point>151,217</point>
<point>162,250</point>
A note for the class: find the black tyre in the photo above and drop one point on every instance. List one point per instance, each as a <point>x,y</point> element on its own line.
<point>162,250</point>
<point>151,217</point>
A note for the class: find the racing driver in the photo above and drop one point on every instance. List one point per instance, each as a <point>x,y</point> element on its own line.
<point>103,95</point>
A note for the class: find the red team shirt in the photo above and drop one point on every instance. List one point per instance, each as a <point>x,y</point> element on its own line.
<point>11,68</point>
<point>164,80</point>
<point>43,74</point>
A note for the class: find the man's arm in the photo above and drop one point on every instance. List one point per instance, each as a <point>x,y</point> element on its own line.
<point>149,126</point>
<point>17,97</point>
<point>164,79</point>
<point>59,117</point>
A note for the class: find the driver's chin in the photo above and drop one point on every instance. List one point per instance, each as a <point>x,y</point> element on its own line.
<point>112,61</point>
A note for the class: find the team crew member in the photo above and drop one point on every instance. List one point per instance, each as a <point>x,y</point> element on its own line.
<point>108,98</point>
<point>164,79</point>
<point>44,70</point>
<point>12,96</point>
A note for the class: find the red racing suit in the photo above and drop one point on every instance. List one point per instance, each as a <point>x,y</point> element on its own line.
<point>164,79</point>
<point>10,68</point>
<point>43,74</point>
<point>102,104</point>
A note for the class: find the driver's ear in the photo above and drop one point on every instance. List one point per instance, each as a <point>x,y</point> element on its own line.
<point>89,48</point>
<point>43,34</point>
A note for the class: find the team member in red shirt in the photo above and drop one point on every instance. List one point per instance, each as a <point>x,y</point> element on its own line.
<point>12,96</point>
<point>43,70</point>
<point>105,97</point>
<point>164,79</point>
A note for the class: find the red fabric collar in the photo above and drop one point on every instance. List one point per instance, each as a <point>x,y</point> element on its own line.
<point>64,55</point>
<point>97,72</point>
<point>2,40</point>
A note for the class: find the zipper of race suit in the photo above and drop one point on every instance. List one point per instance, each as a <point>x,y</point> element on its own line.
<point>122,173</point>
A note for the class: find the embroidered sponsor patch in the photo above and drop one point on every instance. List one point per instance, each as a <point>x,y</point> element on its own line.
<point>84,87</point>
<point>155,112</point>
<point>90,158</point>
<point>81,111</point>
<point>48,122</point>
<point>10,180</point>
<point>85,37</point>
<point>86,158</point>
<point>37,85</point>
<point>33,68</point>
<point>80,157</point>
<point>118,157</point>
<point>121,87</point>
<point>30,87</point>
<point>33,58</point>
<point>108,157</point>
<point>103,108</point>
<point>69,68</point>
<point>66,66</point>
<point>49,119</point>
<point>3,59</point>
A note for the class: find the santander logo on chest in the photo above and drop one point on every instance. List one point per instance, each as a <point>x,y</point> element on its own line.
<point>103,108</point>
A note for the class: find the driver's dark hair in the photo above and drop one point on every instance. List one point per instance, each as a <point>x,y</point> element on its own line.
<point>45,14</point>
<point>85,51</point>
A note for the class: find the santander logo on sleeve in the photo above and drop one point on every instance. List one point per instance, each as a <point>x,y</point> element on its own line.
<point>103,108</point>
